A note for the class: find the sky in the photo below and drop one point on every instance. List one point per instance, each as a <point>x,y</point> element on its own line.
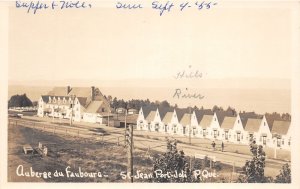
<point>104,43</point>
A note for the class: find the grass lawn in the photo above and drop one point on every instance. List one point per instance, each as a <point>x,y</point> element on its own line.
<point>78,153</point>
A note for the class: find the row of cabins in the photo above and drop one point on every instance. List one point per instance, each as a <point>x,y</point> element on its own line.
<point>221,125</point>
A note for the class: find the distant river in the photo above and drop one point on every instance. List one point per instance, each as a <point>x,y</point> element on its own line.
<point>258,100</point>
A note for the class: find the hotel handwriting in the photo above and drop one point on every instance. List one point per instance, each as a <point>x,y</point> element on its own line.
<point>34,6</point>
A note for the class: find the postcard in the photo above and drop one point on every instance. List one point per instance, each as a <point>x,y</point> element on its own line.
<point>150,93</point>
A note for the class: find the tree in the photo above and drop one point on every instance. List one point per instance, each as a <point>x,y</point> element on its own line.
<point>164,104</point>
<point>172,162</point>
<point>284,175</point>
<point>254,169</point>
<point>19,101</point>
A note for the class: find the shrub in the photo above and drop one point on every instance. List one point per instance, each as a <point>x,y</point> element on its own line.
<point>172,162</point>
<point>284,175</point>
<point>254,169</point>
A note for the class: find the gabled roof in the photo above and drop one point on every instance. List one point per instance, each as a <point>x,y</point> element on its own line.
<point>246,115</point>
<point>147,109</point>
<point>94,107</point>
<point>81,91</point>
<point>206,121</point>
<point>45,98</point>
<point>83,101</point>
<point>253,125</point>
<point>222,114</point>
<point>186,119</point>
<point>59,91</point>
<point>200,113</point>
<point>168,117</point>
<point>271,118</point>
<point>180,112</point>
<point>280,127</point>
<point>151,116</point>
<point>228,122</point>
<point>163,111</point>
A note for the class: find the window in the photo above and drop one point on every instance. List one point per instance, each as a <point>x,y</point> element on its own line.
<point>282,142</point>
<point>238,121</point>
<point>264,123</point>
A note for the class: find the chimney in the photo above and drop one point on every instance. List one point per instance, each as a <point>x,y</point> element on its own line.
<point>93,93</point>
<point>68,89</point>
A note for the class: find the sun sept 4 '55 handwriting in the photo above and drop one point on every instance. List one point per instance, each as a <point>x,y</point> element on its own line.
<point>168,6</point>
<point>161,7</point>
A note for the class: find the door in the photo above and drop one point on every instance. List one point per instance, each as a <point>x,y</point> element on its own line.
<point>250,137</point>
<point>215,133</point>
<point>278,142</point>
<point>264,140</point>
<point>226,135</point>
<point>238,137</point>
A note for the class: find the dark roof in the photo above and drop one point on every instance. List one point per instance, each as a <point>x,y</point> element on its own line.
<point>222,114</point>
<point>181,111</point>
<point>253,125</point>
<point>83,101</point>
<point>271,118</point>
<point>246,115</point>
<point>147,109</point>
<point>164,111</point>
<point>199,113</point>
<point>280,127</point>
<point>45,98</point>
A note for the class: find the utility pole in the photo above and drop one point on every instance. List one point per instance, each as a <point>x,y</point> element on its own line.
<point>109,99</point>
<point>129,152</point>
<point>72,104</point>
<point>125,125</point>
<point>190,126</point>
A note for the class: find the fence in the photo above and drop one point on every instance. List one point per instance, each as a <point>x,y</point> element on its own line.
<point>68,131</point>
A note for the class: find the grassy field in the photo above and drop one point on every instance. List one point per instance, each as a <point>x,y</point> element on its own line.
<point>78,153</point>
